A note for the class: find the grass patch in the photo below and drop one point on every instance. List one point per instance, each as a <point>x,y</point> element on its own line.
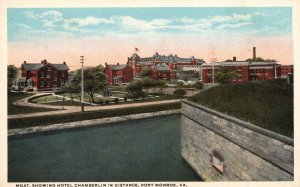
<point>268,104</point>
<point>98,99</point>
<point>13,109</point>
<point>78,116</point>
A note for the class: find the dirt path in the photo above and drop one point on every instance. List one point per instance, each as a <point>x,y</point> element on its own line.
<point>70,109</point>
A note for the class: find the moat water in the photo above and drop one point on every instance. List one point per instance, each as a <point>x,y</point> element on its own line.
<point>141,150</point>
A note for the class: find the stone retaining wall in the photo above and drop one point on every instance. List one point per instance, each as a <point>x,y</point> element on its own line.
<point>223,148</point>
<point>102,121</point>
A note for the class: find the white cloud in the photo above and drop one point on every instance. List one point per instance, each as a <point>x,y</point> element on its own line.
<point>54,20</point>
<point>233,25</point>
<point>129,22</point>
<point>51,15</point>
<point>44,15</point>
<point>22,26</point>
<point>76,23</point>
<point>30,15</point>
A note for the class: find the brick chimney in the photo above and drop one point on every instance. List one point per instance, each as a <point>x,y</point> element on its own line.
<point>106,64</point>
<point>24,62</point>
<point>118,64</point>
<point>64,63</point>
<point>254,53</point>
<point>234,59</point>
<point>44,62</point>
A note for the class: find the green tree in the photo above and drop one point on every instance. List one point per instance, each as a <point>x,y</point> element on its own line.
<point>180,92</point>
<point>179,83</point>
<point>161,84</point>
<point>12,73</point>
<point>148,83</point>
<point>135,90</point>
<point>198,85</point>
<point>73,86</point>
<point>94,81</point>
<point>225,75</point>
<point>258,59</point>
<point>146,72</point>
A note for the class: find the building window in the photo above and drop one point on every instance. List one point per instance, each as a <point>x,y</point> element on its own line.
<point>62,74</point>
<point>41,84</point>
<point>62,83</point>
<point>41,74</point>
<point>48,69</point>
<point>47,75</point>
<point>47,83</point>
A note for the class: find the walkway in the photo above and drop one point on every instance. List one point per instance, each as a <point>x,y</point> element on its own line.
<point>70,109</point>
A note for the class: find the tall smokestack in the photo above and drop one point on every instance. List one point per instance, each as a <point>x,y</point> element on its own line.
<point>254,53</point>
<point>234,59</point>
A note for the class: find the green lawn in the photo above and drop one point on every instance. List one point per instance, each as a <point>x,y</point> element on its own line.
<point>13,109</point>
<point>54,100</point>
<point>78,116</point>
<point>268,104</point>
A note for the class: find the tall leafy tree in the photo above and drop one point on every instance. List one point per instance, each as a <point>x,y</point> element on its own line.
<point>146,72</point>
<point>257,59</point>
<point>148,83</point>
<point>135,90</point>
<point>161,84</point>
<point>94,81</point>
<point>225,75</point>
<point>12,73</point>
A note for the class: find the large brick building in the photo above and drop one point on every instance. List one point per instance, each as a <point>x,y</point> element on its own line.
<point>175,64</point>
<point>44,75</point>
<point>118,74</point>
<point>161,71</point>
<point>247,71</point>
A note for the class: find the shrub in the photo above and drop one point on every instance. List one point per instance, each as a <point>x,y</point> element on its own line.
<point>116,100</point>
<point>60,92</point>
<point>180,92</point>
<point>106,102</point>
<point>198,85</point>
<point>125,99</point>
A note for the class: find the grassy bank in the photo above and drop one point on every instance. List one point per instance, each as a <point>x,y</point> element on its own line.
<point>78,116</point>
<point>268,104</point>
<point>13,109</point>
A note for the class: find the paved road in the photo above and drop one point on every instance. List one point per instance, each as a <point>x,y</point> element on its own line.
<point>70,109</point>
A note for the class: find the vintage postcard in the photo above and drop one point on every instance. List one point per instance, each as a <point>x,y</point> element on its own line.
<point>149,94</point>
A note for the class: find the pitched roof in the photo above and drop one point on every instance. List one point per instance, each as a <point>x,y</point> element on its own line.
<point>170,59</point>
<point>61,66</point>
<point>36,66</point>
<point>238,63</point>
<point>162,67</point>
<point>117,67</point>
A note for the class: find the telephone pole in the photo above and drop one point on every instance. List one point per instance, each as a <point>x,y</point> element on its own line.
<point>82,96</point>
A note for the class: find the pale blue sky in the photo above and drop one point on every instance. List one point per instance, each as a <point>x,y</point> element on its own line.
<point>30,24</point>
<point>111,34</point>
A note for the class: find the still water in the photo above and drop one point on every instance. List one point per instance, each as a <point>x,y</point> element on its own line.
<point>141,150</point>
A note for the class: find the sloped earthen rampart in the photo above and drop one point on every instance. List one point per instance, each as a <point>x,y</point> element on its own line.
<point>223,148</point>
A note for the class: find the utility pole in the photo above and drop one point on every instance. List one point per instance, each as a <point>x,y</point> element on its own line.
<point>213,73</point>
<point>82,96</point>
<point>275,71</point>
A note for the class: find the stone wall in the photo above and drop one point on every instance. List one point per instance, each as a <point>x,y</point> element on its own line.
<point>223,148</point>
